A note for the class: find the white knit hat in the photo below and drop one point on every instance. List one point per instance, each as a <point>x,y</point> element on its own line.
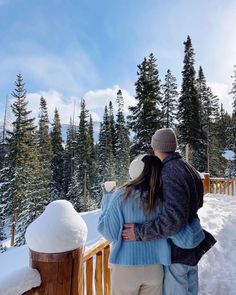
<point>109,185</point>
<point>136,167</point>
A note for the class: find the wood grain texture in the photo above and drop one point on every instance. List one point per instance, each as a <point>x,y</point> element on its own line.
<point>107,272</point>
<point>98,274</point>
<point>89,276</point>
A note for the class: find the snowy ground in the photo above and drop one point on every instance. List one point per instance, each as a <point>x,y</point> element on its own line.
<point>217,268</point>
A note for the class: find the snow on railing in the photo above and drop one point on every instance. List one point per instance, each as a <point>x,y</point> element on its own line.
<point>20,281</point>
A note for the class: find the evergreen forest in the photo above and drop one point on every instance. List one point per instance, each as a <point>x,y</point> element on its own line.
<point>37,166</point>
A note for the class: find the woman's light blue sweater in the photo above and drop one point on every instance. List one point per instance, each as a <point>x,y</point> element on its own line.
<point>115,212</point>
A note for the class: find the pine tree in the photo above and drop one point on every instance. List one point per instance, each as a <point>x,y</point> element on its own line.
<point>19,189</point>
<point>112,126</point>
<point>93,165</point>
<point>145,117</point>
<point>169,101</point>
<point>2,174</point>
<point>232,129</point>
<point>57,155</point>
<point>209,104</point>
<point>189,127</point>
<point>122,146</point>
<point>45,154</point>
<point>106,156</point>
<point>83,150</point>
<point>205,121</point>
<point>3,136</point>
<point>100,155</point>
<point>70,151</point>
<point>80,188</point>
<point>3,185</point>
<point>221,124</point>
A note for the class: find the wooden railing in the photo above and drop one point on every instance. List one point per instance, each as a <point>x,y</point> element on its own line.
<point>63,274</point>
<point>98,278</point>
<point>219,185</point>
<point>91,274</point>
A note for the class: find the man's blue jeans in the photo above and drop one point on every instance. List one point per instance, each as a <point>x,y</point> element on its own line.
<point>180,279</point>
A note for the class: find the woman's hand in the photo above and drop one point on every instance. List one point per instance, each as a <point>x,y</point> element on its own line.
<point>128,232</point>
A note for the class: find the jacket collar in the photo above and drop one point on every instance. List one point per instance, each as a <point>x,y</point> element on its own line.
<point>172,156</point>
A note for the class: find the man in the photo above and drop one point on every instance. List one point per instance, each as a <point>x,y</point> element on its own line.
<point>182,197</point>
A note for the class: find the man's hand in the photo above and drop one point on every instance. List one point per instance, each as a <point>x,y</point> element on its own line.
<point>128,232</point>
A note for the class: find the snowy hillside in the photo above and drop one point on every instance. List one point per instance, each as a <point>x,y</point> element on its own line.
<point>217,268</point>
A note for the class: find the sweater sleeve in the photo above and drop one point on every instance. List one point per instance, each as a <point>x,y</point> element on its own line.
<point>106,201</point>
<point>110,222</point>
<point>175,211</point>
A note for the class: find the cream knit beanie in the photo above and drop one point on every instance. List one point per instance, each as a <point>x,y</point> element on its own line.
<point>136,167</point>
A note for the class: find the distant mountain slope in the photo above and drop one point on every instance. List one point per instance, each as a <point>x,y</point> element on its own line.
<point>96,127</point>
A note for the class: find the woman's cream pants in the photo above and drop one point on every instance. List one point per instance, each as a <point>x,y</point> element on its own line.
<point>136,280</point>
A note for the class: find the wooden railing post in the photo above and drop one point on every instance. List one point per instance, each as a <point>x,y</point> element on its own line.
<point>107,272</point>
<point>61,273</point>
<point>98,274</point>
<point>101,277</point>
<point>60,268</point>
<point>206,183</point>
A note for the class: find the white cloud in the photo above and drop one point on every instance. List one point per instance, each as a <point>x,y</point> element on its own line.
<point>69,72</point>
<point>97,99</point>
<point>95,102</point>
<point>222,91</point>
<point>56,100</point>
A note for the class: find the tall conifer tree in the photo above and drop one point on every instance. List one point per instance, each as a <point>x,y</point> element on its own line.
<point>209,105</point>
<point>3,133</point>
<point>80,188</point>
<point>19,190</point>
<point>45,153</point>
<point>169,101</point>
<point>122,146</point>
<point>232,130</point>
<point>92,161</point>
<point>189,127</point>
<point>112,126</point>
<point>106,156</point>
<point>70,152</point>
<point>57,154</point>
<point>219,144</point>
<point>145,117</point>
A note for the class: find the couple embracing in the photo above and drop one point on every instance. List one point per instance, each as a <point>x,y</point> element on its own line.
<point>152,223</point>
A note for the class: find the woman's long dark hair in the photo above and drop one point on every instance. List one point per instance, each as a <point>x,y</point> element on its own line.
<point>148,181</point>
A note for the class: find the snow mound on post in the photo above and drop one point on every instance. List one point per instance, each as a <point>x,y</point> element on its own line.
<point>59,229</point>
<point>20,281</point>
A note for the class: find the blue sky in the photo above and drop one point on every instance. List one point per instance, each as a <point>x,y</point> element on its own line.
<point>66,50</point>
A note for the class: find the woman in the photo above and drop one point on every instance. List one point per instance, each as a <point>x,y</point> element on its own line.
<point>136,266</point>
